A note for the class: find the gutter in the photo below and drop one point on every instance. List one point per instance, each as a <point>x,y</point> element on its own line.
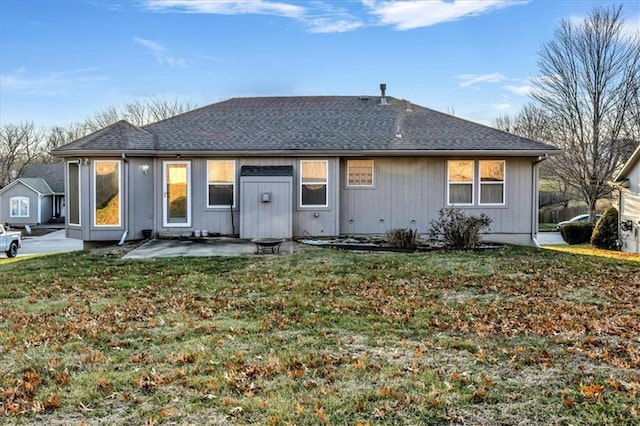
<point>320,153</point>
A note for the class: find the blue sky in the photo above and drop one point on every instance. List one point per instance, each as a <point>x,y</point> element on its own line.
<point>61,61</point>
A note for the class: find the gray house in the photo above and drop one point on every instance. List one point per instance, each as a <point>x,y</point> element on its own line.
<point>629,181</point>
<point>299,166</point>
<point>35,197</point>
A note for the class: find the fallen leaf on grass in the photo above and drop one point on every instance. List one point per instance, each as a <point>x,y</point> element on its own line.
<point>53,401</point>
<point>103,383</point>
<point>480,394</point>
<point>360,363</point>
<point>322,416</point>
<point>591,391</point>
<point>168,411</point>
<point>385,391</point>
<point>566,400</point>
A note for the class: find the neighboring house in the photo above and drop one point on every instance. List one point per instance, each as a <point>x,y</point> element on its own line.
<point>628,180</point>
<point>299,166</point>
<point>35,197</point>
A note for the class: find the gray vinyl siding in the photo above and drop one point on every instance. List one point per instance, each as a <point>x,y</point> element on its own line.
<point>634,179</point>
<point>408,192</point>
<point>136,194</point>
<point>218,220</point>
<point>139,213</point>
<point>630,210</point>
<point>19,190</point>
<point>271,219</point>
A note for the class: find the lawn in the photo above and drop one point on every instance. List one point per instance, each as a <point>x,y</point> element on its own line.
<point>520,336</point>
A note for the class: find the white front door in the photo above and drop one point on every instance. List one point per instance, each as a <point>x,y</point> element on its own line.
<point>176,193</point>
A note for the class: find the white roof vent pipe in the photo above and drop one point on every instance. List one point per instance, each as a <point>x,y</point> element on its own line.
<point>383,98</point>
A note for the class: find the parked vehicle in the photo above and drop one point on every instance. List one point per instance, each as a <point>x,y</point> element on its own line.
<point>10,242</point>
<point>581,218</point>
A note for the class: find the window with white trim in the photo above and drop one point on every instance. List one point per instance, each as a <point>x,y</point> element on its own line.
<point>19,207</point>
<point>106,189</point>
<point>221,183</point>
<point>492,181</point>
<point>359,173</point>
<point>460,187</point>
<point>314,183</point>
<point>73,190</point>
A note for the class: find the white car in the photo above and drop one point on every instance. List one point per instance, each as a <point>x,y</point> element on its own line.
<point>581,218</point>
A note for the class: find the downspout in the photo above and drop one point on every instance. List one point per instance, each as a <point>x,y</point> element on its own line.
<point>535,202</point>
<point>125,198</point>
<point>155,195</point>
<point>39,209</point>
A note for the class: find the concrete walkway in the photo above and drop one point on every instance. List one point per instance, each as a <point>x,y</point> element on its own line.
<point>550,238</point>
<point>54,242</point>
<point>201,247</point>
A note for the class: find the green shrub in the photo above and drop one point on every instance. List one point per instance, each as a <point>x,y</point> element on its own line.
<point>458,230</point>
<point>403,238</point>
<point>605,234</point>
<point>576,233</point>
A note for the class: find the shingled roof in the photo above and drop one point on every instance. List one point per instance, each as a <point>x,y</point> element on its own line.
<point>38,185</point>
<point>53,174</point>
<point>306,125</point>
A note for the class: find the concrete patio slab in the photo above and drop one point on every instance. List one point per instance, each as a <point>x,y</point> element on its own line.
<point>201,247</point>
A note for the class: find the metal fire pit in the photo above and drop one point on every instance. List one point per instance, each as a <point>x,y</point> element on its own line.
<point>264,244</point>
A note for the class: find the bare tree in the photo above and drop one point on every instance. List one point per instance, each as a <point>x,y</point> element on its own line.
<point>138,113</point>
<point>588,86</point>
<point>20,145</point>
<point>57,136</point>
<point>531,122</point>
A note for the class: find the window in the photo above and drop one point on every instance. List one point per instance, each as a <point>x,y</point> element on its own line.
<point>221,183</point>
<point>313,183</point>
<point>492,182</point>
<point>107,193</point>
<point>359,173</point>
<point>19,207</point>
<point>461,182</point>
<point>73,186</point>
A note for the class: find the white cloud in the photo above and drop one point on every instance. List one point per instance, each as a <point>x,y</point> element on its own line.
<point>318,17</point>
<point>324,25</point>
<point>52,83</point>
<point>407,15</point>
<point>520,90</point>
<point>501,106</point>
<point>228,7</point>
<point>161,53</point>
<point>471,79</point>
